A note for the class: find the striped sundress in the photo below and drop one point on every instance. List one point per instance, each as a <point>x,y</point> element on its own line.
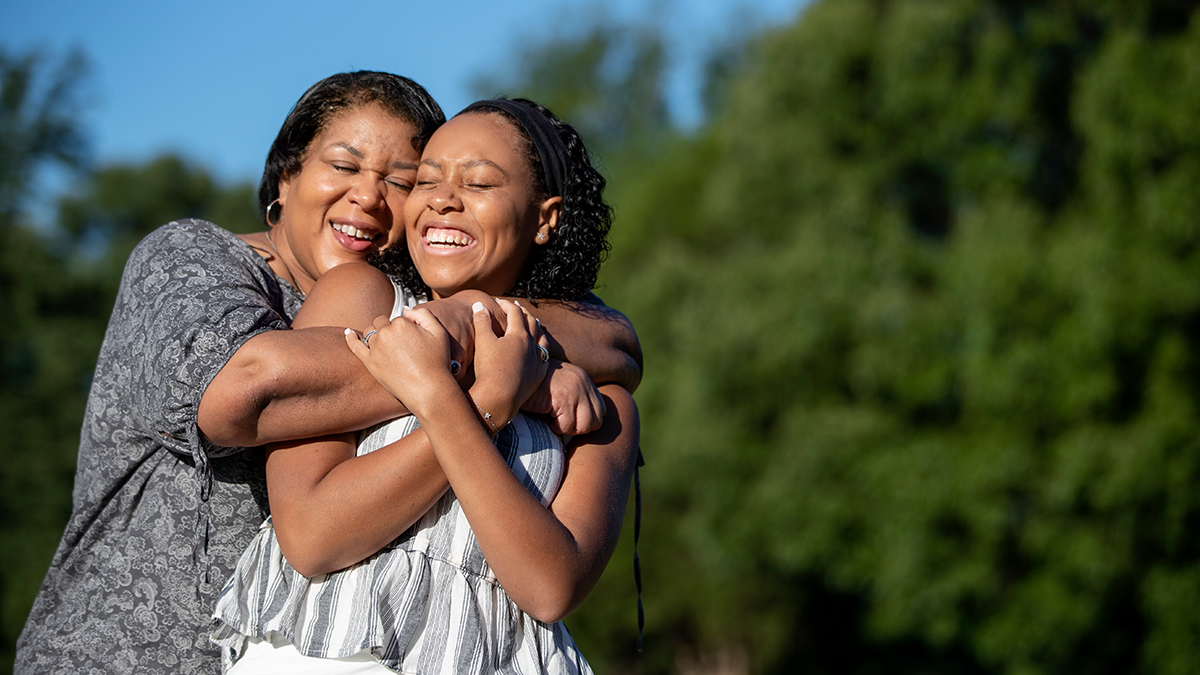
<point>427,603</point>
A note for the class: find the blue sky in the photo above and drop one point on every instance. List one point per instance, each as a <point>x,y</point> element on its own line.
<point>213,80</point>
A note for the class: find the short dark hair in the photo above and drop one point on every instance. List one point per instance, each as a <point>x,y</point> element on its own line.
<point>566,267</point>
<point>323,101</point>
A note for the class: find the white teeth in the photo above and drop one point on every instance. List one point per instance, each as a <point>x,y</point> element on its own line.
<point>352,231</point>
<point>446,238</point>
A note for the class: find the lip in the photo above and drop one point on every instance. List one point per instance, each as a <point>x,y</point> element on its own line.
<point>353,243</point>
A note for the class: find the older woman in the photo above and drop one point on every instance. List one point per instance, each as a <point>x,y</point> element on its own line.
<point>194,364</point>
<point>506,202</point>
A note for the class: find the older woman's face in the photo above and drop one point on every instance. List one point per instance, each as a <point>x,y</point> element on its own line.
<point>473,215</point>
<point>348,198</point>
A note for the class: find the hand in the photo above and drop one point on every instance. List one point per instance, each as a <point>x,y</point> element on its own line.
<point>456,315</point>
<point>508,368</point>
<point>410,357</point>
<point>570,399</point>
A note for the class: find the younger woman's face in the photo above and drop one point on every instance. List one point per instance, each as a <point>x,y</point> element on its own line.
<point>473,215</point>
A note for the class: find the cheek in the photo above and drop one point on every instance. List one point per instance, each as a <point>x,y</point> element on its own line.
<point>412,209</point>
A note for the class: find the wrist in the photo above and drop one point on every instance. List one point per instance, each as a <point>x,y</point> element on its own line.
<point>499,408</point>
<point>435,394</point>
<point>488,423</point>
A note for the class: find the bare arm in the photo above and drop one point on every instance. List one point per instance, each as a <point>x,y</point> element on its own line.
<point>303,383</point>
<point>546,559</point>
<point>291,384</point>
<point>595,337</point>
<point>331,509</point>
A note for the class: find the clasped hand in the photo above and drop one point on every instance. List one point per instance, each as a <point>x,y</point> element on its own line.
<point>410,357</point>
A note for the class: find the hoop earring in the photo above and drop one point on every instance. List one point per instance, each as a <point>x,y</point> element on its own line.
<point>274,214</point>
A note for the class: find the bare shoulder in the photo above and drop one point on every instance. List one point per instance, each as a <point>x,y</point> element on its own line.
<point>349,295</point>
<point>351,276</point>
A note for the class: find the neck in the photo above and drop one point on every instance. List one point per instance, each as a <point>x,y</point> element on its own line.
<point>282,268</point>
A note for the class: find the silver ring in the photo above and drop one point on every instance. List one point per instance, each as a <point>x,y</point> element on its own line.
<point>454,367</point>
<point>368,337</point>
<point>543,353</point>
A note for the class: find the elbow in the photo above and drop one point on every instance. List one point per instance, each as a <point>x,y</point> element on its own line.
<point>628,364</point>
<point>549,611</point>
<point>233,402</point>
<point>307,566</point>
<point>553,604</point>
<point>631,372</point>
<point>306,556</point>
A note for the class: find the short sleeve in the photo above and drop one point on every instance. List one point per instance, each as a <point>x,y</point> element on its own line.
<point>191,295</point>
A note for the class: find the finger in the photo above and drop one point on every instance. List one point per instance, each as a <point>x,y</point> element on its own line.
<point>563,423</point>
<point>355,343</point>
<point>532,324</point>
<point>515,316</point>
<point>425,319</point>
<point>483,323</point>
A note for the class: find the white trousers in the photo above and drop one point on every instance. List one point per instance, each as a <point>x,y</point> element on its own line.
<point>280,657</point>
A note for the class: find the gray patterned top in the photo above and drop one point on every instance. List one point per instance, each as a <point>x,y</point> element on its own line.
<point>160,515</point>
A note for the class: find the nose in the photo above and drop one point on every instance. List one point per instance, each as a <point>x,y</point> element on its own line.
<point>444,198</point>
<point>369,192</point>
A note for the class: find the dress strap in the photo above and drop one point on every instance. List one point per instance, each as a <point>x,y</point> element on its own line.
<point>637,533</point>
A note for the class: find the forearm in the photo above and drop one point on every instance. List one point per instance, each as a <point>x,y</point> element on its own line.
<point>546,560</point>
<point>291,384</point>
<point>598,339</point>
<point>331,509</point>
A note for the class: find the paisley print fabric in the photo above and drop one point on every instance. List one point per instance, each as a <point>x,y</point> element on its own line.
<point>160,515</point>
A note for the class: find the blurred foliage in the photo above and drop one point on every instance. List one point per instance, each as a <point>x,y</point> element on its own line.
<point>920,307</point>
<point>920,302</point>
<point>57,285</point>
<point>605,76</point>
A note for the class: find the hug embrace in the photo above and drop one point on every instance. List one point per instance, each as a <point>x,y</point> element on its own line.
<point>296,461</point>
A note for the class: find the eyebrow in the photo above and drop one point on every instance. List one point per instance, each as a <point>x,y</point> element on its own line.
<point>403,166</point>
<point>350,149</point>
<point>469,165</point>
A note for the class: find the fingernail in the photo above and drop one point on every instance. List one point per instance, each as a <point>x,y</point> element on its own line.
<point>517,303</point>
<point>477,307</point>
<point>348,331</point>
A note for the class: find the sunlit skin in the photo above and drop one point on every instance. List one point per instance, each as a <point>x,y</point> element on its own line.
<point>472,215</point>
<point>471,222</point>
<point>357,173</point>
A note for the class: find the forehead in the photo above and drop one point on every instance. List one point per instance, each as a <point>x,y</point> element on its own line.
<point>369,129</point>
<point>476,136</point>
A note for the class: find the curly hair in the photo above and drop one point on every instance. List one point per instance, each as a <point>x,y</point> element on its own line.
<point>566,267</point>
<point>333,95</point>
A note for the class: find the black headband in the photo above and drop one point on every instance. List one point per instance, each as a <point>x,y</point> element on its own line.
<point>549,146</point>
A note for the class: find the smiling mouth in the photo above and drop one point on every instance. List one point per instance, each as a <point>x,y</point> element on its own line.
<point>351,231</point>
<point>447,239</point>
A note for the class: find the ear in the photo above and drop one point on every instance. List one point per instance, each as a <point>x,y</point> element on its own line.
<point>547,220</point>
<point>283,191</point>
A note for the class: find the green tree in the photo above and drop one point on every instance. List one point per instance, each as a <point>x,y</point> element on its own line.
<point>607,78</point>
<point>920,315</point>
<point>57,285</point>
<point>40,392</point>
